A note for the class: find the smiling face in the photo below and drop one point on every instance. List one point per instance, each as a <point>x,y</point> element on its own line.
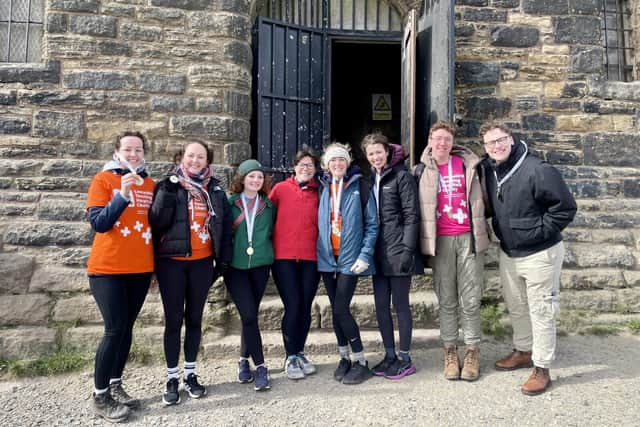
<point>253,181</point>
<point>441,142</point>
<point>497,144</point>
<point>132,150</point>
<point>377,156</point>
<point>338,167</point>
<point>194,158</point>
<point>305,169</point>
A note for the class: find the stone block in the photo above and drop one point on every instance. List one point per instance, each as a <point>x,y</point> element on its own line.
<point>236,152</point>
<point>539,121</point>
<point>602,88</point>
<point>237,104</point>
<point>161,15</point>
<point>48,72</point>
<point>464,30</point>
<point>15,273</point>
<point>109,80</point>
<point>59,167</point>
<point>81,308</point>
<point>160,83</point>
<point>584,256</point>
<point>587,59</point>
<point>74,99</point>
<point>25,309</point>
<point>19,167</point>
<point>577,30</point>
<point>152,312</point>
<point>561,105</point>
<point>76,5</point>
<point>56,124</point>
<point>83,337</point>
<point>489,107</point>
<point>611,149</point>
<point>574,90</point>
<point>219,76</point>
<point>8,98</point>
<point>61,210</point>
<point>485,15</point>
<point>14,125</point>
<point>588,122</point>
<point>515,89</point>
<point>631,187</point>
<point>602,300</point>
<point>129,31</point>
<point>515,36</point>
<point>527,103</point>
<point>97,26</point>
<point>172,104</point>
<point>212,127</point>
<point>545,7</point>
<point>211,105</point>
<point>183,4</point>
<point>565,157</point>
<point>585,7</point>
<point>119,10</point>
<point>476,73</point>
<point>476,3</point>
<point>57,23</point>
<point>506,3</point>
<point>25,342</point>
<point>238,52</point>
<point>48,279</point>
<point>220,25</point>
<point>52,184</point>
<point>43,234</point>
<point>107,129</point>
<point>239,7</point>
<point>71,257</point>
<point>592,279</point>
<point>632,278</point>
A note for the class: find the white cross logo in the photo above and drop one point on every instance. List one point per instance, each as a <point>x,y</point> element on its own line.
<point>138,226</point>
<point>446,209</point>
<point>147,235</point>
<point>195,226</point>
<point>463,203</point>
<point>125,231</point>
<point>204,236</point>
<point>460,216</point>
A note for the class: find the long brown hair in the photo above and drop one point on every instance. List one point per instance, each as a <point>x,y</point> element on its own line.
<point>237,184</point>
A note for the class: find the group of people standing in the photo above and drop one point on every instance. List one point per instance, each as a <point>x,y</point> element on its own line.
<point>338,223</point>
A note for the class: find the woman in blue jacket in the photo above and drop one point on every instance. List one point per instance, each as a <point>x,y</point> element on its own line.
<point>346,240</point>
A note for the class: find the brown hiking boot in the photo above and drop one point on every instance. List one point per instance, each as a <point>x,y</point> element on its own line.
<point>471,367</point>
<point>538,382</point>
<point>515,360</point>
<point>451,363</point>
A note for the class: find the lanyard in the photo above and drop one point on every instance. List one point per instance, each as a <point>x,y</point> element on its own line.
<point>337,197</point>
<point>250,217</point>
<point>377,188</point>
<point>443,185</point>
<point>513,170</point>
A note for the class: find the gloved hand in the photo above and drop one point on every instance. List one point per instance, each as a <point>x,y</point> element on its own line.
<point>359,267</point>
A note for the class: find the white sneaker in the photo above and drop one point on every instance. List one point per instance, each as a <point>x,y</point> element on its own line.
<point>293,369</point>
<point>307,367</point>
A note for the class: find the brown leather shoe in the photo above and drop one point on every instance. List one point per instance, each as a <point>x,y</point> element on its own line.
<point>538,382</point>
<point>515,360</point>
<point>471,367</point>
<point>451,363</point>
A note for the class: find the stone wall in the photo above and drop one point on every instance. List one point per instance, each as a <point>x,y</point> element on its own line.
<point>181,69</point>
<point>536,65</point>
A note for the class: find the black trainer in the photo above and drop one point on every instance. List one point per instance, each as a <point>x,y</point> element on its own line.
<point>382,367</point>
<point>120,395</point>
<point>357,374</point>
<point>343,367</point>
<point>109,409</point>
<point>192,387</point>
<point>171,394</point>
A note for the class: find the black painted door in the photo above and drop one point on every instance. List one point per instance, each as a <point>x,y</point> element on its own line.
<point>290,92</point>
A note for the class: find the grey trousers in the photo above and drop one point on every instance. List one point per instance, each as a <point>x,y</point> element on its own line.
<point>531,287</point>
<point>457,280</point>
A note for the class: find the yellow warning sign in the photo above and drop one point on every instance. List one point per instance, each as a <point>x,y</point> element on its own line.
<point>381,106</point>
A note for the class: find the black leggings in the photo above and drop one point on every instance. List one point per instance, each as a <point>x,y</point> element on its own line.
<point>384,287</point>
<point>340,288</point>
<point>247,288</point>
<point>297,283</point>
<point>184,286</point>
<point>119,298</point>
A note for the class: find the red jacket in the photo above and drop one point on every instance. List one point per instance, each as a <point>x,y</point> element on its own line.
<point>296,230</point>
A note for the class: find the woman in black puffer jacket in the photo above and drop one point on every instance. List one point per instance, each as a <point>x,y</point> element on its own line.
<point>396,195</point>
<point>191,222</point>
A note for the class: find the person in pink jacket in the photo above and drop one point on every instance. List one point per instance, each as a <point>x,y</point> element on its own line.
<point>295,270</point>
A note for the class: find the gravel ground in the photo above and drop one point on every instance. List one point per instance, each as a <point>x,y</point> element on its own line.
<point>596,381</point>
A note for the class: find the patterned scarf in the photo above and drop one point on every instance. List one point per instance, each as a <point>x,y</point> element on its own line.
<point>196,185</point>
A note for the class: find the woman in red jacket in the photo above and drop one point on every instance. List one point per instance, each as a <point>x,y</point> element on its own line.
<point>295,269</point>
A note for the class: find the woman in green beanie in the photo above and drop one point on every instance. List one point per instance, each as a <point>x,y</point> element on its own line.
<point>246,279</point>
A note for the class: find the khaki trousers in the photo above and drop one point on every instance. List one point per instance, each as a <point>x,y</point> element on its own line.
<point>531,287</point>
<point>457,281</point>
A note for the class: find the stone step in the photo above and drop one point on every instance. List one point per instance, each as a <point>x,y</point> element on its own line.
<point>424,307</point>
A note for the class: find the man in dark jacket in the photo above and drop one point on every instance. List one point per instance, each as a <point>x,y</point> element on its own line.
<point>530,205</point>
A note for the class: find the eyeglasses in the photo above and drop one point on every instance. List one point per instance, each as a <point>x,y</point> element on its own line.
<point>442,139</point>
<point>503,140</point>
<point>305,165</point>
